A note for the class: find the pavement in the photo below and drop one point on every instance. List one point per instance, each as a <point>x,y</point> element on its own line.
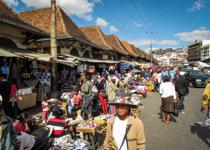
<point>185,132</point>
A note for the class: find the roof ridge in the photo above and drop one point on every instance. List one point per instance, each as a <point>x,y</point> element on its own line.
<point>118,41</point>
<point>60,13</point>
<point>103,37</point>
<point>35,9</point>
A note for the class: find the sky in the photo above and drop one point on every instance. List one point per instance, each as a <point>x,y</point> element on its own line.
<point>144,23</point>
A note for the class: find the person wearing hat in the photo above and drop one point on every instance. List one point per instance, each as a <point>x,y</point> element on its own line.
<point>205,102</point>
<point>124,131</point>
<point>182,90</point>
<point>7,132</point>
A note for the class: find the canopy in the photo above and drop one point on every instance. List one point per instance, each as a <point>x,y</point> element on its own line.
<point>6,53</point>
<point>124,66</point>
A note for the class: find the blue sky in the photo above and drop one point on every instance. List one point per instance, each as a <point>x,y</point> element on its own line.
<point>164,23</point>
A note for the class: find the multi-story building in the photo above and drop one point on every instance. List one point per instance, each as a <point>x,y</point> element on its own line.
<point>198,50</point>
<point>205,50</point>
<point>194,51</point>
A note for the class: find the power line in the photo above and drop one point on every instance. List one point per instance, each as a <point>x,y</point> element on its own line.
<point>108,13</point>
<point>132,15</point>
<point>141,14</point>
<point>148,14</point>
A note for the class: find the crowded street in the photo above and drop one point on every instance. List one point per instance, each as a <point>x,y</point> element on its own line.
<point>186,132</point>
<point>104,75</point>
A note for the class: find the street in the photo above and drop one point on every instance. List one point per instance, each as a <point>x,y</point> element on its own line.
<point>186,132</point>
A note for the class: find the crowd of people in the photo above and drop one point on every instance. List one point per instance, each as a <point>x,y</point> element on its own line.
<point>98,93</point>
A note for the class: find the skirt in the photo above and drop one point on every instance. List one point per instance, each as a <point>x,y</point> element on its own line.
<point>167,104</point>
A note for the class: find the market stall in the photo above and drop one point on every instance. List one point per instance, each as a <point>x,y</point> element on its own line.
<point>92,127</point>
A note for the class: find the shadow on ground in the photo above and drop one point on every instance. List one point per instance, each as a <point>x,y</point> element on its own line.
<point>202,132</point>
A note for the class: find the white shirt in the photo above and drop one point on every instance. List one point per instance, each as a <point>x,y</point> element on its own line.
<point>159,77</point>
<point>119,129</point>
<point>167,89</point>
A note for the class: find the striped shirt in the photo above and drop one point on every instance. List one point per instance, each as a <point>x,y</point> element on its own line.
<point>58,126</point>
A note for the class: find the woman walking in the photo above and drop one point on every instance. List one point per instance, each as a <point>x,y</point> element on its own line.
<point>168,96</point>
<point>102,95</point>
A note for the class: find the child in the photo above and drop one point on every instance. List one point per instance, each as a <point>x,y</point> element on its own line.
<point>45,110</point>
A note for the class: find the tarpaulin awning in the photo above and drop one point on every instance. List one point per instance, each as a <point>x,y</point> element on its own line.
<point>6,53</point>
<point>124,66</point>
<point>33,55</point>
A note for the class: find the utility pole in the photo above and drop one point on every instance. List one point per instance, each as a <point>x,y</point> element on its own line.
<point>150,35</point>
<point>53,45</point>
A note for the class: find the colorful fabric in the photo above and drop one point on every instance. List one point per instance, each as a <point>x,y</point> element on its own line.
<point>58,126</point>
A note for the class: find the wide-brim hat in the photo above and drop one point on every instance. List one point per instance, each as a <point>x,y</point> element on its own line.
<point>123,101</point>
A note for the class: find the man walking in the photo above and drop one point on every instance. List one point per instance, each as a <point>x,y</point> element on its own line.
<point>182,90</point>
<point>86,89</point>
<point>124,131</point>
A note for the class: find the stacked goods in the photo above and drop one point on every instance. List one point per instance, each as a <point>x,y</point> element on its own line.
<point>149,85</point>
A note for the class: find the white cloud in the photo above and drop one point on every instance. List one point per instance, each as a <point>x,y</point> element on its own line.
<point>137,24</point>
<point>101,22</point>
<point>36,3</point>
<point>148,42</point>
<point>12,3</point>
<point>168,42</point>
<point>143,42</point>
<point>113,29</point>
<point>198,34</point>
<point>197,5</point>
<point>79,8</point>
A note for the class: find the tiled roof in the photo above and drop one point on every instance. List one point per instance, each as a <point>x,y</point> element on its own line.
<point>142,54</point>
<point>128,48</point>
<point>41,18</point>
<point>136,50</point>
<point>7,15</point>
<point>146,55</point>
<point>96,36</point>
<point>115,43</point>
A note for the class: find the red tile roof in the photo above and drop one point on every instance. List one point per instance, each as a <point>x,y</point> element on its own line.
<point>8,16</point>
<point>115,43</point>
<point>96,36</point>
<point>128,48</point>
<point>41,18</point>
<point>136,51</point>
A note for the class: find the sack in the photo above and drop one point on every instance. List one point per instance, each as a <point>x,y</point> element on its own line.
<point>176,112</point>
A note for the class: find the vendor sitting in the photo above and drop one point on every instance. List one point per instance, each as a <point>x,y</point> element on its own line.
<point>57,124</point>
<point>75,119</point>
<point>20,125</point>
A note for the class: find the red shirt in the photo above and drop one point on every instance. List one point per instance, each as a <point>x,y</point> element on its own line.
<point>77,100</point>
<point>58,126</point>
<point>20,127</point>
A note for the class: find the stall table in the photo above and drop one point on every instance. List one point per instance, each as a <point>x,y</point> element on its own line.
<point>91,131</point>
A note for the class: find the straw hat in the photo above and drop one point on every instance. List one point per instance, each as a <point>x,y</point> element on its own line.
<point>123,101</point>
